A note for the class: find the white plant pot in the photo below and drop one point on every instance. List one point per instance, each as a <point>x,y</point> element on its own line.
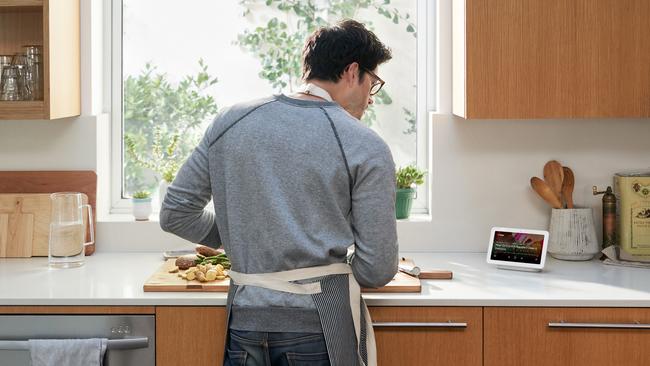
<point>142,208</point>
<point>162,191</point>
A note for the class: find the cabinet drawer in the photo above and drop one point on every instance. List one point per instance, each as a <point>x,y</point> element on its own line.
<point>566,336</point>
<point>428,335</point>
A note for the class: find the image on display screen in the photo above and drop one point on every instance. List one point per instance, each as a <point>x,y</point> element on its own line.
<point>517,247</point>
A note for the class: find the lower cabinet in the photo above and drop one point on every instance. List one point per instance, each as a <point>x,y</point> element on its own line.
<point>445,336</point>
<point>566,336</point>
<point>190,335</point>
<point>431,336</point>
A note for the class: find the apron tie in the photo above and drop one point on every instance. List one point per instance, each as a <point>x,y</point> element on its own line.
<point>282,281</point>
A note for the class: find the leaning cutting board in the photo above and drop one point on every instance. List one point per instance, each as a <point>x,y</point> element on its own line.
<point>25,224</point>
<point>83,181</point>
<point>16,229</point>
<point>163,281</point>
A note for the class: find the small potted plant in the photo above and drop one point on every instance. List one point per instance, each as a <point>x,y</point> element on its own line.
<point>141,205</point>
<point>408,178</point>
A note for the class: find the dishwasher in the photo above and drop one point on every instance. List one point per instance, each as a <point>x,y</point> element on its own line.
<point>131,338</point>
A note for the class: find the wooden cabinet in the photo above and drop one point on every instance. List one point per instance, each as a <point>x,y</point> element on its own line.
<point>190,335</point>
<point>551,58</point>
<point>458,336</point>
<point>428,335</point>
<point>566,336</point>
<point>54,24</point>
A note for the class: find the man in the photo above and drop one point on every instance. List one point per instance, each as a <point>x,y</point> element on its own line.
<point>295,181</point>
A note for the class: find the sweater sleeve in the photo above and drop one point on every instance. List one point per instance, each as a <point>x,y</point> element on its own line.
<point>183,211</point>
<point>373,221</point>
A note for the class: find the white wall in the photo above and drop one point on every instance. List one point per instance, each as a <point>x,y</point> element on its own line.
<point>480,168</point>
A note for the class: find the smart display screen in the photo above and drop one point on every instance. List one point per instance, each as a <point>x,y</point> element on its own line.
<point>517,247</point>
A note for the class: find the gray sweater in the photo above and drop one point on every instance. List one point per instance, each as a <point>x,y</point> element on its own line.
<point>294,184</point>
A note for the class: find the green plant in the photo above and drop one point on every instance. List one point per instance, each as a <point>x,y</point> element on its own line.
<point>163,157</point>
<point>408,176</point>
<point>278,43</point>
<point>141,195</point>
<point>162,123</point>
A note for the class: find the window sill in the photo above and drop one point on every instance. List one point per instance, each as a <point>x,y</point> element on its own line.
<point>417,218</point>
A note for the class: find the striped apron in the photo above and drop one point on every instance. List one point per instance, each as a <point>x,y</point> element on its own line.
<point>337,296</point>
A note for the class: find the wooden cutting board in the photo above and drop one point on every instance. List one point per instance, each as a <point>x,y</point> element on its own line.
<point>163,281</point>
<point>25,224</point>
<point>83,181</point>
<point>16,230</point>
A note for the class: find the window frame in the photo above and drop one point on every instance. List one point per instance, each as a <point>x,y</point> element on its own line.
<point>425,104</point>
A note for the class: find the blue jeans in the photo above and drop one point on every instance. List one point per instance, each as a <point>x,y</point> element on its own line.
<point>275,349</point>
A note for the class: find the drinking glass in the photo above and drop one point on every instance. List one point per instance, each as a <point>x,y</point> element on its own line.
<point>9,90</point>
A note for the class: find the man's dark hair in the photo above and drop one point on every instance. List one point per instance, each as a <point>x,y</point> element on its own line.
<point>329,50</point>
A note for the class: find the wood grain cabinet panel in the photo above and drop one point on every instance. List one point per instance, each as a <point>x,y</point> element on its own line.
<point>404,342</point>
<point>190,335</point>
<point>551,58</point>
<point>522,336</point>
<point>55,25</point>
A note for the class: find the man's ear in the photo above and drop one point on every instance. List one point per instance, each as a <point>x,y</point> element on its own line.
<point>351,74</point>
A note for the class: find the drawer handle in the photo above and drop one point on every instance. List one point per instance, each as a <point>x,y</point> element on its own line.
<point>635,325</point>
<point>420,324</point>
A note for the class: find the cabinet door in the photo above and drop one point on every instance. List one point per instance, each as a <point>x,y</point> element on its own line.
<point>566,336</point>
<point>551,58</point>
<point>190,335</point>
<point>428,335</point>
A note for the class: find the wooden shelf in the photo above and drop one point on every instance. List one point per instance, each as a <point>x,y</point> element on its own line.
<point>20,3</point>
<point>22,110</point>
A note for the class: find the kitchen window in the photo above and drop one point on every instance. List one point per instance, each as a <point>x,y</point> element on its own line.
<point>175,66</point>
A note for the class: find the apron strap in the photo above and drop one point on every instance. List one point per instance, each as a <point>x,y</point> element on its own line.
<point>282,281</point>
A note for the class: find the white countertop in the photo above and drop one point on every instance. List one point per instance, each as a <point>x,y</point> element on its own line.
<point>117,279</point>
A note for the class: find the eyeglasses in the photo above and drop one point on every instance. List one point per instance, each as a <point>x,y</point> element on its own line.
<point>376,85</point>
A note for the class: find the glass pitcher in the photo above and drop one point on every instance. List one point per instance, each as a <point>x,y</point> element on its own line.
<point>67,230</point>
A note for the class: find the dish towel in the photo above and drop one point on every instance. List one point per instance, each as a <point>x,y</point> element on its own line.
<point>67,352</point>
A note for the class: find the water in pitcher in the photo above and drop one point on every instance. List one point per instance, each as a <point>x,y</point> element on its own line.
<point>67,244</point>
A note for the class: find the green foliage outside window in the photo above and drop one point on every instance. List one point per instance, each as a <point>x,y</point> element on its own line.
<point>163,120</point>
<point>279,43</point>
<point>162,124</point>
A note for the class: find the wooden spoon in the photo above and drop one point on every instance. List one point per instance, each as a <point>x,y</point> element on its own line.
<point>544,191</point>
<point>553,176</point>
<point>567,186</point>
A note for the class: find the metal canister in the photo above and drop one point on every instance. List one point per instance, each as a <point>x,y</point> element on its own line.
<point>632,190</point>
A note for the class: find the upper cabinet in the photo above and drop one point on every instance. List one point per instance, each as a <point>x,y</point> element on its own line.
<point>551,58</point>
<point>54,26</point>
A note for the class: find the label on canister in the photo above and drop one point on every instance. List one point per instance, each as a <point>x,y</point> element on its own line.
<point>632,190</point>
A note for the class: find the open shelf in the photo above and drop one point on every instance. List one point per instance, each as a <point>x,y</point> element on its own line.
<point>20,3</point>
<point>54,25</point>
<point>22,110</point>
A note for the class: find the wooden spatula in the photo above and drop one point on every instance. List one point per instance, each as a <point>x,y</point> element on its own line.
<point>553,176</point>
<point>544,191</point>
<point>567,186</point>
